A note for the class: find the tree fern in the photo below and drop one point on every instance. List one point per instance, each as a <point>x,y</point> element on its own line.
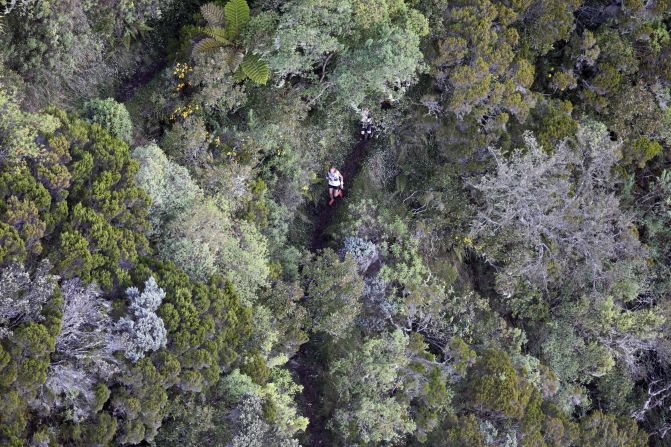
<point>214,15</point>
<point>239,75</point>
<point>237,16</point>
<point>255,68</point>
<point>216,40</point>
<point>133,31</point>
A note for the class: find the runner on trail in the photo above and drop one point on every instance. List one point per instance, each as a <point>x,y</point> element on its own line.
<point>366,124</point>
<point>336,184</point>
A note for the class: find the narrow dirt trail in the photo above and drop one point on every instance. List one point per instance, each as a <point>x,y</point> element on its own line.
<point>325,212</point>
<point>143,76</point>
<point>307,365</point>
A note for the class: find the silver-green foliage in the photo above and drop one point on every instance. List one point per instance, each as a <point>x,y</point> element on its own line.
<point>252,430</point>
<point>168,184</point>
<point>22,295</point>
<point>557,207</point>
<point>364,252</point>
<point>84,350</point>
<point>334,291</point>
<point>197,232</point>
<point>204,240</point>
<point>363,50</point>
<point>143,326</point>
<point>368,413</point>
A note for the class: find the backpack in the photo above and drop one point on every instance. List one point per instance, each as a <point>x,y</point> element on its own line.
<point>333,178</point>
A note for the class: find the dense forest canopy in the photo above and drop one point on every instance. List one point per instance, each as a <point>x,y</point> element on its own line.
<point>255,223</point>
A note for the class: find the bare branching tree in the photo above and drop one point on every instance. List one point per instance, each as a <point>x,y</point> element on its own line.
<point>84,349</point>
<point>659,393</point>
<point>22,296</point>
<point>553,213</point>
<point>86,329</point>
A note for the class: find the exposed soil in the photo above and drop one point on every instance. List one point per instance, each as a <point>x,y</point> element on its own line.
<point>139,79</point>
<point>308,369</point>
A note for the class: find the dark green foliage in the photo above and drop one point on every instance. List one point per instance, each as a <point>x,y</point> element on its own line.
<point>25,359</point>
<point>77,198</point>
<point>599,429</point>
<point>111,116</point>
<point>462,431</point>
<point>494,386</point>
<point>101,233</point>
<point>87,55</point>
<point>207,326</point>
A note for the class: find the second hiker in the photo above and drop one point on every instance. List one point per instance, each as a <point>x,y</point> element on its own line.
<point>366,124</point>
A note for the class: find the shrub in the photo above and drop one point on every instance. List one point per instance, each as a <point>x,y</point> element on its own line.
<point>334,290</point>
<point>111,116</point>
<point>364,252</point>
<point>77,202</point>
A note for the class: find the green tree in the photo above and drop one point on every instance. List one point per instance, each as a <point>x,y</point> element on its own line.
<point>169,185</point>
<point>494,386</point>
<point>363,380</point>
<point>479,66</point>
<point>361,51</point>
<point>204,240</point>
<point>333,290</point>
<point>599,429</point>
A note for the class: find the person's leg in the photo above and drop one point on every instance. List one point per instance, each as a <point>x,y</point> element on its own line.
<point>331,194</point>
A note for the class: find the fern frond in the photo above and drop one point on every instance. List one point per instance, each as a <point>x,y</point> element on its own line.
<point>213,14</point>
<point>233,59</point>
<point>207,45</point>
<point>217,33</point>
<point>255,68</point>
<point>239,75</point>
<point>237,16</point>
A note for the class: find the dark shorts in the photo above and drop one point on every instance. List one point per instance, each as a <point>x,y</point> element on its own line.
<point>335,188</point>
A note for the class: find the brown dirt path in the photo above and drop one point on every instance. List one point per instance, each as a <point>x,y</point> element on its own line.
<point>325,212</point>
<point>142,77</point>
<point>307,365</point>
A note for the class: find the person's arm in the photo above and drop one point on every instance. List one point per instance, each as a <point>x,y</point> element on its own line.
<point>342,180</point>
